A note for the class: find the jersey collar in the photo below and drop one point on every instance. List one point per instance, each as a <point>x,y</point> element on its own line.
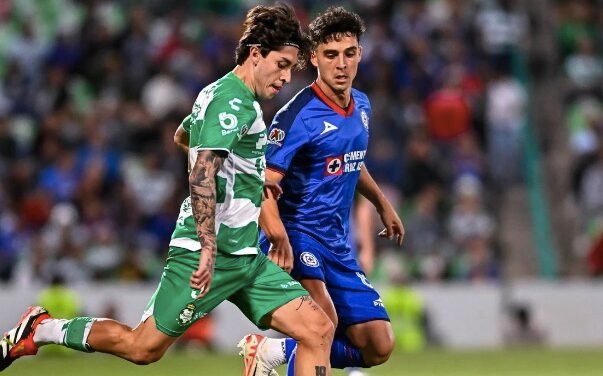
<point>334,106</point>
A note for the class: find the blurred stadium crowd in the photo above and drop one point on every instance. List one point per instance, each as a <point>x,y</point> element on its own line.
<point>91,93</point>
<point>580,42</point>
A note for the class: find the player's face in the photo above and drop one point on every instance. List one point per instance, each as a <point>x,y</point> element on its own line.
<point>274,71</point>
<point>337,62</point>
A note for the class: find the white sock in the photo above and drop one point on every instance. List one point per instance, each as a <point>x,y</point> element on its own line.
<point>273,352</point>
<point>50,331</point>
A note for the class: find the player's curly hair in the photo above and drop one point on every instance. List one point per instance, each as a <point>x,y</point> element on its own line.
<point>271,28</point>
<point>334,24</point>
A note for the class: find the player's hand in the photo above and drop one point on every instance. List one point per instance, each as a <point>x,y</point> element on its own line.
<point>393,225</point>
<point>281,254</point>
<point>202,277</point>
<point>272,190</point>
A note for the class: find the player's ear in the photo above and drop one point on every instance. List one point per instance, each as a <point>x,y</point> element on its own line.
<point>313,58</point>
<point>359,53</point>
<point>255,54</point>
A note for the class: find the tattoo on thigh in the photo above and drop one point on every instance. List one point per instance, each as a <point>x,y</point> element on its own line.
<point>321,370</point>
<point>305,298</point>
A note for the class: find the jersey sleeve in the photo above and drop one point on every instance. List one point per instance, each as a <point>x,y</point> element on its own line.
<point>186,123</point>
<point>286,136</point>
<point>221,124</point>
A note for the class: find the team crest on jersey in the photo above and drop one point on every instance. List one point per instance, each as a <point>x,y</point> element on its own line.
<point>276,136</point>
<point>244,130</point>
<point>309,259</point>
<point>364,280</point>
<point>186,315</point>
<point>365,119</point>
<point>333,166</point>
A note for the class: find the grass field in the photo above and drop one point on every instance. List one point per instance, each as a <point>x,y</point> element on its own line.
<point>525,362</point>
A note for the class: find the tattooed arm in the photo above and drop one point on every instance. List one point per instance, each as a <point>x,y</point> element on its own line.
<point>202,181</point>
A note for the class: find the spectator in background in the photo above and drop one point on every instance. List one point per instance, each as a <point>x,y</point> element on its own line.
<point>469,217</point>
<point>584,67</point>
<point>448,113</point>
<point>96,92</point>
<point>506,103</point>
<point>471,230</point>
<point>425,243</point>
<point>421,165</point>
<point>502,29</point>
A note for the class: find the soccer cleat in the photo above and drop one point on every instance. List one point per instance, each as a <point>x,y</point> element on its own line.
<point>251,351</point>
<point>18,341</point>
<point>355,372</point>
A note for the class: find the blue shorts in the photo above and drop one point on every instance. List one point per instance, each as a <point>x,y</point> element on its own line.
<point>355,299</point>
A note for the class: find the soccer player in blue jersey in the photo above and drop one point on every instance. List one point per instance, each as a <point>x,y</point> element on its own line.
<point>317,147</point>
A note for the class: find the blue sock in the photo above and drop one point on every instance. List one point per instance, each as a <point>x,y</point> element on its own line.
<point>290,345</point>
<point>344,354</point>
<point>291,363</point>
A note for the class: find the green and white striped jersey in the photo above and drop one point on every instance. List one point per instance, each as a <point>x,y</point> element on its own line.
<point>226,116</point>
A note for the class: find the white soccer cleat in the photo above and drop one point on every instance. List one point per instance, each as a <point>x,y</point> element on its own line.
<point>251,350</point>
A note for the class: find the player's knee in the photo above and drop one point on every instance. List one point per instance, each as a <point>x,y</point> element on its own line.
<point>379,352</point>
<point>318,332</point>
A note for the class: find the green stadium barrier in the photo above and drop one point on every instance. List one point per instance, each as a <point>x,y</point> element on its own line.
<point>547,255</point>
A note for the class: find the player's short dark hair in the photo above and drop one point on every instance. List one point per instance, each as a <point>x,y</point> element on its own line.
<point>334,24</point>
<point>271,28</point>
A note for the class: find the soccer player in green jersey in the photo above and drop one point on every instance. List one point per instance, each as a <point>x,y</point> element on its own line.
<point>213,253</point>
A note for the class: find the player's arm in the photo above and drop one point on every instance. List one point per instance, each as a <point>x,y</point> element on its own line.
<point>202,182</point>
<point>181,138</point>
<point>369,189</point>
<point>270,220</point>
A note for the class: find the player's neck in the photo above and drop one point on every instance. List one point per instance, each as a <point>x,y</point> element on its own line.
<point>341,98</point>
<point>245,73</point>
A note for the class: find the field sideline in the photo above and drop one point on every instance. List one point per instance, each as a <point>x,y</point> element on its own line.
<point>524,362</point>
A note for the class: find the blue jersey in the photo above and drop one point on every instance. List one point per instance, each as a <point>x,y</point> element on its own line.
<point>319,147</point>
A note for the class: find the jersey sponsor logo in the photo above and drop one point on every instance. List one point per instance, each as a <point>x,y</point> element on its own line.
<point>289,284</point>
<point>186,315</point>
<point>365,119</point>
<point>228,122</point>
<point>333,166</point>
<point>378,303</point>
<point>308,259</point>
<point>276,136</point>
<point>328,127</point>
<point>363,279</point>
<point>349,162</point>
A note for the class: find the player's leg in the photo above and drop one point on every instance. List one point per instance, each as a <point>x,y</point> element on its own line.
<point>358,306</point>
<point>343,352</point>
<point>142,345</point>
<point>375,339</point>
<point>362,315</point>
<point>303,320</point>
<point>273,299</point>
